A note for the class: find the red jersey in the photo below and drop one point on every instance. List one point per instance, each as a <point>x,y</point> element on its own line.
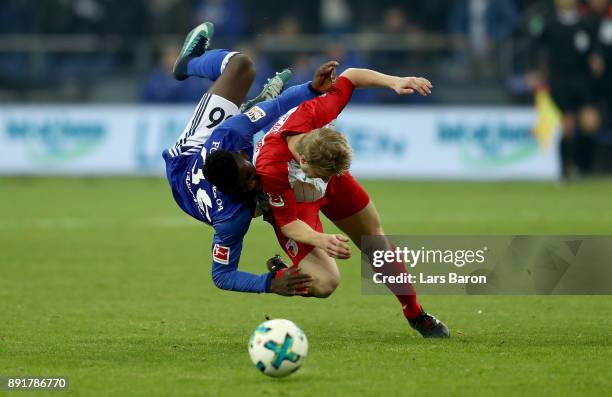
<point>278,171</point>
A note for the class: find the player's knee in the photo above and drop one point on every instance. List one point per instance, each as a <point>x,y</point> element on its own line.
<point>244,66</point>
<point>323,291</point>
<point>325,288</point>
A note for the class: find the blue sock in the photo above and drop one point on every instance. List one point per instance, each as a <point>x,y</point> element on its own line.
<point>208,65</point>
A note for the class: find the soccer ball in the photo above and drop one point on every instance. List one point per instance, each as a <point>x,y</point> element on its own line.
<point>278,347</point>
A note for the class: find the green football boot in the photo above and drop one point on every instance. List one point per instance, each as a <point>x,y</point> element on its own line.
<point>196,43</point>
<point>271,89</point>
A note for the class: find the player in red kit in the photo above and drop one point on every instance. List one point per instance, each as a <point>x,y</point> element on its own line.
<point>303,166</point>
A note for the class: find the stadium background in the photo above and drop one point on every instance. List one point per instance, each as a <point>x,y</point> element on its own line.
<point>478,53</point>
<point>105,280</point>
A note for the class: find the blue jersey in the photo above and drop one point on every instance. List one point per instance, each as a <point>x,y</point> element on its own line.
<point>229,216</point>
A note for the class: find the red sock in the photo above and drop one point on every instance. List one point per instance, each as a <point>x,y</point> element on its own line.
<point>404,293</point>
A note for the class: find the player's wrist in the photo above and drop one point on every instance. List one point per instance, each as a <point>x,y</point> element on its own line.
<point>272,287</point>
<point>319,240</point>
<point>269,281</point>
<point>393,81</point>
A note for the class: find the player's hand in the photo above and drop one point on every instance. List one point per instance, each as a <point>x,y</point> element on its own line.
<point>410,85</point>
<point>291,282</point>
<point>324,77</point>
<point>335,245</point>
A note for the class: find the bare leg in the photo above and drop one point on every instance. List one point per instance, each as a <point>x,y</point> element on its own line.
<point>367,223</point>
<point>322,268</point>
<point>364,223</point>
<point>236,79</point>
<point>324,272</point>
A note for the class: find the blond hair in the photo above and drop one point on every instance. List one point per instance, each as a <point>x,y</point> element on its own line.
<point>326,151</point>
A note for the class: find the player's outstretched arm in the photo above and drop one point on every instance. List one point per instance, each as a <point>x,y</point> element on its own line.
<point>235,280</point>
<point>226,252</point>
<point>322,110</point>
<point>366,78</point>
<point>267,112</point>
<point>293,96</point>
<point>288,284</point>
<point>246,125</point>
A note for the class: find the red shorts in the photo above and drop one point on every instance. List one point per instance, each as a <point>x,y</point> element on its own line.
<point>344,197</point>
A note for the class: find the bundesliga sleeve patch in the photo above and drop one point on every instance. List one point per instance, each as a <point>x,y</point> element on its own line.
<point>255,113</point>
<point>275,200</point>
<point>221,254</point>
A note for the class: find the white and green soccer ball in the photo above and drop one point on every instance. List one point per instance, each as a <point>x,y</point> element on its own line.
<point>278,347</point>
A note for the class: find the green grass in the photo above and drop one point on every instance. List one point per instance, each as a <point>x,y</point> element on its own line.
<point>106,281</point>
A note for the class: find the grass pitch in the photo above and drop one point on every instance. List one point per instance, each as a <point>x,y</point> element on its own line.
<point>106,281</point>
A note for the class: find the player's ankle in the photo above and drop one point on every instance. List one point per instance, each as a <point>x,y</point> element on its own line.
<point>412,311</point>
<point>180,72</point>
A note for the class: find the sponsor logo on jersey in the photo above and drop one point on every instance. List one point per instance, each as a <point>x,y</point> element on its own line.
<point>221,254</point>
<point>255,113</point>
<point>275,200</point>
<point>281,121</point>
<point>215,146</point>
<point>292,248</point>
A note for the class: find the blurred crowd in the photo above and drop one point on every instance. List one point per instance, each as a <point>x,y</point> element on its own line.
<point>477,51</point>
<point>464,30</point>
<point>236,18</point>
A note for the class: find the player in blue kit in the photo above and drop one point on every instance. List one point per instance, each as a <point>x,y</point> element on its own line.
<point>218,124</point>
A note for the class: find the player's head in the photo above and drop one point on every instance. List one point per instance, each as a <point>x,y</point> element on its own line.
<point>323,153</point>
<point>231,172</point>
